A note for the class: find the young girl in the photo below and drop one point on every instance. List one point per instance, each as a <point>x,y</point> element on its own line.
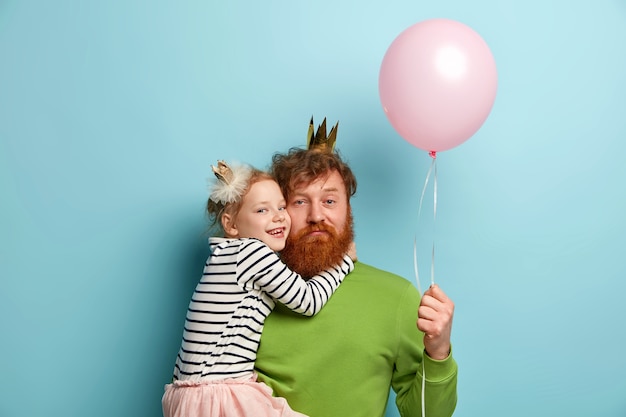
<point>242,279</point>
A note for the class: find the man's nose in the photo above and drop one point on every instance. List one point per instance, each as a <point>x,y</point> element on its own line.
<point>316,214</point>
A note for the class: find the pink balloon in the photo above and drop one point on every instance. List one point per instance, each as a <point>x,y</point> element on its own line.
<point>437,84</point>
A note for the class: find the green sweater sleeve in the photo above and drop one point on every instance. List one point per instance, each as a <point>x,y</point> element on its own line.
<point>441,375</point>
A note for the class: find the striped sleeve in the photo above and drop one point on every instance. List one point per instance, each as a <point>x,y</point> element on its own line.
<point>258,267</point>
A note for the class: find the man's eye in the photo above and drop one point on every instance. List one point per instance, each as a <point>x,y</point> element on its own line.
<point>298,202</point>
<point>330,202</point>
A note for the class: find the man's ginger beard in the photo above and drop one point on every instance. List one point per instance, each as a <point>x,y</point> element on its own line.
<point>310,255</point>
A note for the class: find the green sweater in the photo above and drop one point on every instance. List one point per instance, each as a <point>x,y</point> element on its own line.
<point>343,361</point>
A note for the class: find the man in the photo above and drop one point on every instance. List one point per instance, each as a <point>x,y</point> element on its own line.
<point>365,341</point>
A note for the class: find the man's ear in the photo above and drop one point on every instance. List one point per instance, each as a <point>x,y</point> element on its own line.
<point>229,226</point>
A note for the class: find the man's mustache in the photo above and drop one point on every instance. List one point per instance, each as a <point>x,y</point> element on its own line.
<point>321,227</point>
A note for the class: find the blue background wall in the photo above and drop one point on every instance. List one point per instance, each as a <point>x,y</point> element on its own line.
<point>112,112</point>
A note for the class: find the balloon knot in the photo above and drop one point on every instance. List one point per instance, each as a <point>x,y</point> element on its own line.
<point>433,154</point>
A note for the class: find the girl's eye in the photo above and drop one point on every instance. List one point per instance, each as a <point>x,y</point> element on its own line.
<point>262,210</point>
<point>283,208</point>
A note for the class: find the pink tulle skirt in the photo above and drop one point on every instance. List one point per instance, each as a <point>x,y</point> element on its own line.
<point>223,398</point>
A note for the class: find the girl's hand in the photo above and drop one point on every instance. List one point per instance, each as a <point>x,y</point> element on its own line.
<point>352,252</point>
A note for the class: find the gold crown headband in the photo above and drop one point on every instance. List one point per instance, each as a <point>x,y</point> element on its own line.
<point>231,182</point>
<point>320,140</point>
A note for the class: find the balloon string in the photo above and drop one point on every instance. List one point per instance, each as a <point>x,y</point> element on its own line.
<point>433,167</point>
<point>423,389</point>
<point>432,259</point>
